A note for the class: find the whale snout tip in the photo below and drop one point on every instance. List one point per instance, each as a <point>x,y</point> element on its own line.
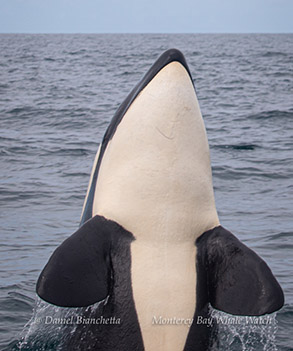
<point>174,54</point>
<point>169,56</point>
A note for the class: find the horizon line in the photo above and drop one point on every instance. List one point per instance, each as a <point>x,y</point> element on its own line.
<point>109,33</point>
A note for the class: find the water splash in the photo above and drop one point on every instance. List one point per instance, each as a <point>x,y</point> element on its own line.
<point>244,333</point>
<point>51,327</point>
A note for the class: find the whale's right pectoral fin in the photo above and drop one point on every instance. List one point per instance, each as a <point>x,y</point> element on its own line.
<point>79,271</point>
<point>238,281</point>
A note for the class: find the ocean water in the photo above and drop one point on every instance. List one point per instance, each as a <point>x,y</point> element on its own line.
<point>57,96</point>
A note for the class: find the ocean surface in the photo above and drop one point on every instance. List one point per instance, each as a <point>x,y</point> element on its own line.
<point>57,96</point>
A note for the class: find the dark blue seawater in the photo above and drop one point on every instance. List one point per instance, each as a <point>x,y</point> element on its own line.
<point>57,96</point>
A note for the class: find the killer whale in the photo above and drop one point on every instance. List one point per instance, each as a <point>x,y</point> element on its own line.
<point>150,240</point>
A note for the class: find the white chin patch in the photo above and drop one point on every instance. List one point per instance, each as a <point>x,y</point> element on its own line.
<point>155,176</point>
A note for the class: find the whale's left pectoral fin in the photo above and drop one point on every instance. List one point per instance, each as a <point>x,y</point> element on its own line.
<point>238,281</point>
<point>79,271</point>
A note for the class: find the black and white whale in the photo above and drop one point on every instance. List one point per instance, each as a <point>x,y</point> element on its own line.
<point>150,240</point>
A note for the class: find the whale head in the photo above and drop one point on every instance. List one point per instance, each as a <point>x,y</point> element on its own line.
<point>153,172</point>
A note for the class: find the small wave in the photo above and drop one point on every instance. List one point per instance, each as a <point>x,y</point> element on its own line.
<point>284,74</point>
<point>237,146</point>
<point>27,57</point>
<point>17,195</point>
<point>78,52</point>
<point>69,152</point>
<point>10,287</point>
<point>20,296</point>
<point>286,313</point>
<point>18,110</point>
<point>18,150</point>
<point>278,114</point>
<point>77,174</point>
<point>16,303</point>
<point>63,118</point>
<point>274,54</point>
<point>285,324</point>
<point>282,235</point>
<point>281,241</point>
<point>229,173</point>
<point>5,138</point>
<point>66,124</point>
<point>127,73</point>
<point>12,70</point>
<point>229,88</point>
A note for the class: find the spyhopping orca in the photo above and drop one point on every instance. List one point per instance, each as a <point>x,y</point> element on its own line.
<point>150,240</point>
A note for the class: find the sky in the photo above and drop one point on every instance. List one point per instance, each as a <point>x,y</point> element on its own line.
<point>146,16</point>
